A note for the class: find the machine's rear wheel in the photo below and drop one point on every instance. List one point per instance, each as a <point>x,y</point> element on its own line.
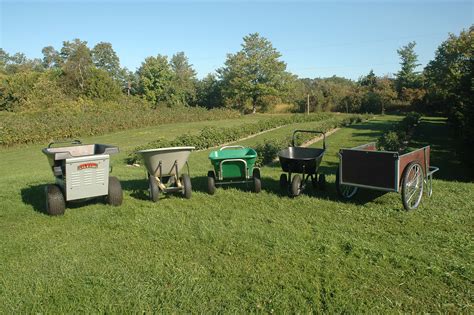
<point>153,189</point>
<point>345,191</point>
<point>284,181</point>
<point>412,186</point>
<point>257,182</point>
<point>55,203</point>
<point>115,196</point>
<point>187,188</point>
<point>296,186</point>
<point>211,182</point>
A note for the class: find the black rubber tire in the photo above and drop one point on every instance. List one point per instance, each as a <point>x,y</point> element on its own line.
<point>153,189</point>
<point>404,191</point>
<point>284,181</point>
<point>257,182</point>
<point>339,188</point>
<point>322,182</point>
<point>55,203</point>
<point>211,182</point>
<point>296,186</point>
<point>115,195</point>
<point>187,187</point>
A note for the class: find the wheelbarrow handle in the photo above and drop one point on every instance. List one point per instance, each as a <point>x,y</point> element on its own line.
<point>293,138</point>
<point>76,141</point>
<point>232,147</point>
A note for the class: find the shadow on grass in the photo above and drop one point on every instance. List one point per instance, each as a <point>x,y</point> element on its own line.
<point>35,196</point>
<point>436,133</point>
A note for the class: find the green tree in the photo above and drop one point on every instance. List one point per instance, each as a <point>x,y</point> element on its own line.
<point>100,85</point>
<point>407,77</point>
<point>450,85</point>
<point>370,80</point>
<point>208,92</point>
<point>77,65</point>
<point>155,80</point>
<point>184,81</point>
<point>254,73</point>
<point>105,58</point>
<point>51,57</point>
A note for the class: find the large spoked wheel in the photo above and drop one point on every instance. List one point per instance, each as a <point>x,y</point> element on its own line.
<point>211,182</point>
<point>345,191</point>
<point>115,195</point>
<point>296,186</point>
<point>187,189</point>
<point>283,181</point>
<point>412,186</point>
<point>55,203</point>
<point>257,182</point>
<point>153,189</point>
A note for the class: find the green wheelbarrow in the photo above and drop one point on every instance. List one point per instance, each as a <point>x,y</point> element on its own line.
<point>233,165</point>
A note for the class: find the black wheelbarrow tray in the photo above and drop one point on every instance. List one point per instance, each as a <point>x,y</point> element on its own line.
<point>366,167</point>
<point>299,160</point>
<point>81,172</point>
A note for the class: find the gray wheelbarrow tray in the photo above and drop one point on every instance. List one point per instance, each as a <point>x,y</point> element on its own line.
<point>164,166</point>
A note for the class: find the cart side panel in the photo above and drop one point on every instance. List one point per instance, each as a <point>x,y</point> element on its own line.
<point>87,177</point>
<point>417,155</point>
<point>371,169</point>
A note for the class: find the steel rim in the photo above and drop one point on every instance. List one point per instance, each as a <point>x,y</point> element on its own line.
<point>347,191</point>
<point>414,186</point>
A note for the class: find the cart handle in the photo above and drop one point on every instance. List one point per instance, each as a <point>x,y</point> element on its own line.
<point>76,141</point>
<point>232,147</point>
<point>308,131</point>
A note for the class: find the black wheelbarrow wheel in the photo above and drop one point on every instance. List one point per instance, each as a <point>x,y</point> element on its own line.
<point>322,182</point>
<point>153,189</point>
<point>296,186</point>
<point>345,191</point>
<point>55,203</point>
<point>115,195</point>
<point>187,188</point>
<point>257,182</point>
<point>412,186</point>
<point>211,182</point>
<point>284,181</point>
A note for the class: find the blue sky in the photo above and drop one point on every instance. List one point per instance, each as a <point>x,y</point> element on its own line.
<point>316,39</point>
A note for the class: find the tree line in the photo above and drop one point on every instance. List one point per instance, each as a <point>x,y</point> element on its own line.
<point>252,79</point>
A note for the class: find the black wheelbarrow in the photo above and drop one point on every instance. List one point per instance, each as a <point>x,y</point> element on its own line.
<point>305,161</point>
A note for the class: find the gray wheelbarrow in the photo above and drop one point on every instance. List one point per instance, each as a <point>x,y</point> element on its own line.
<point>163,169</point>
<point>81,172</point>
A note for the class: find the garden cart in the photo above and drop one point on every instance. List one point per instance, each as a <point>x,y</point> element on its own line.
<point>304,161</point>
<point>81,172</point>
<point>366,167</point>
<point>163,171</point>
<point>233,165</point>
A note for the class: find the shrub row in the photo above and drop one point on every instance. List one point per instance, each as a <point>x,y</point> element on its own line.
<point>268,150</point>
<point>211,136</point>
<point>89,119</point>
<point>397,139</point>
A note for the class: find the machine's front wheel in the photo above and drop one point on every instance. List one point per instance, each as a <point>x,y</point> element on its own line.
<point>211,182</point>
<point>284,181</point>
<point>115,196</point>
<point>296,186</point>
<point>55,203</point>
<point>153,189</point>
<point>345,191</point>
<point>186,182</point>
<point>257,182</point>
<point>412,186</point>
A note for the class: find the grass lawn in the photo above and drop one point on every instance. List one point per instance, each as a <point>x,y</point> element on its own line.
<point>238,251</point>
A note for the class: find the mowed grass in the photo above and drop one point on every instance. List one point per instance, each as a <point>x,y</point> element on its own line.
<point>237,251</point>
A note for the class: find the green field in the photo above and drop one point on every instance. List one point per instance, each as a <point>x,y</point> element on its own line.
<point>238,251</point>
